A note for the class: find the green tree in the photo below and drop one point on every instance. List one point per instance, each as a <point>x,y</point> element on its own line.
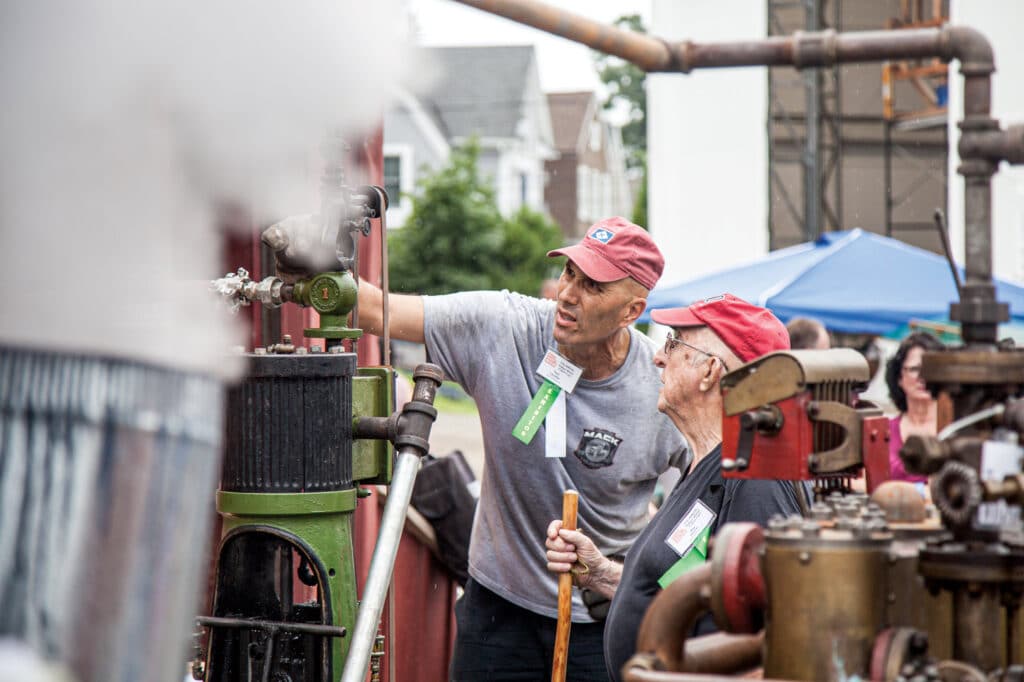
<point>625,82</point>
<point>456,239</point>
<point>528,236</point>
<point>453,237</point>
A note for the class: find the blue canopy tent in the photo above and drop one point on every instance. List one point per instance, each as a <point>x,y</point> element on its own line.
<point>852,281</point>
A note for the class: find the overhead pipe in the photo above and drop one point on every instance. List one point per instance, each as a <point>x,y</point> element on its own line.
<point>982,144</point>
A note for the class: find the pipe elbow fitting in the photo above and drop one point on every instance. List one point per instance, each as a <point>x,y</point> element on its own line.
<point>971,47</point>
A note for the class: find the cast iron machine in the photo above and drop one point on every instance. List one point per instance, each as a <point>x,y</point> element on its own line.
<point>799,412</point>
<point>843,555</point>
<point>304,430</point>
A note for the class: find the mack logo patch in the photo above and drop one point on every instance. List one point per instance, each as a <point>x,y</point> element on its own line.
<point>597,448</point>
<point>602,235</point>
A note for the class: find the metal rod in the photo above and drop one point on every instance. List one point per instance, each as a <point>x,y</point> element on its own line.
<point>812,135</point>
<point>382,565</point>
<point>382,199</point>
<point>268,625</point>
<point>940,224</point>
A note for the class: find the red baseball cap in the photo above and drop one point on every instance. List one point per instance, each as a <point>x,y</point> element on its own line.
<point>748,330</point>
<point>614,249</point>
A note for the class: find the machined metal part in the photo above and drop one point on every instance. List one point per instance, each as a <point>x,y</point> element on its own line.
<point>784,374</point>
<point>813,619</point>
<point>737,585</point>
<point>280,438</point>
<point>241,290</point>
<point>972,367</point>
<point>957,493</point>
<point>986,581</point>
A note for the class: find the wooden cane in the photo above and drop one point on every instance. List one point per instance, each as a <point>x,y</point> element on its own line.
<point>570,500</point>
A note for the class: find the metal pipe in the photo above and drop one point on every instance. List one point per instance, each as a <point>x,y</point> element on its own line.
<point>670,618</point>
<point>414,429</point>
<point>382,565</point>
<point>650,54</point>
<point>723,653</point>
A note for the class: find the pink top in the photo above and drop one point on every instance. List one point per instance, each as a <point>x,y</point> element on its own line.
<point>896,470</point>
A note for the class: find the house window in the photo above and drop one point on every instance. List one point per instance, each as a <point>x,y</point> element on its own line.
<point>393,179</point>
<point>524,189</point>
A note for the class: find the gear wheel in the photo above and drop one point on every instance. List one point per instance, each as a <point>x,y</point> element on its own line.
<point>956,492</point>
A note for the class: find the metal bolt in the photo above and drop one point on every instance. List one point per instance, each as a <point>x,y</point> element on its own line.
<point>805,557</point>
<point>810,528</point>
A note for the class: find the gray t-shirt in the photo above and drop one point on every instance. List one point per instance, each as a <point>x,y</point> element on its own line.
<point>491,343</point>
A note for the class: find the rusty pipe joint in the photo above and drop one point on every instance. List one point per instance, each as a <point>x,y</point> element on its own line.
<point>410,427</point>
<point>670,619</point>
<point>970,47</point>
<point>818,48</point>
<point>992,144</point>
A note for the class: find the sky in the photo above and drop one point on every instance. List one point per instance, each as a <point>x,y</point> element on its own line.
<point>564,65</point>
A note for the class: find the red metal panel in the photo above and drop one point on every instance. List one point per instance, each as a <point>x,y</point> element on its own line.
<point>875,449</point>
<point>424,616</point>
<point>780,456</point>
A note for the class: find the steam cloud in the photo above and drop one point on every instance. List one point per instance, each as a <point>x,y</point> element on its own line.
<point>125,121</point>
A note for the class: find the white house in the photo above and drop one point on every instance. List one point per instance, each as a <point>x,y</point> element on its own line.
<point>491,93</point>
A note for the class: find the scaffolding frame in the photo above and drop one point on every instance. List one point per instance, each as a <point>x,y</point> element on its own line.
<point>813,140</point>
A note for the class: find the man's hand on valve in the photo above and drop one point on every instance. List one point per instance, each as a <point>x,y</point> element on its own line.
<point>300,248</point>
<point>573,552</point>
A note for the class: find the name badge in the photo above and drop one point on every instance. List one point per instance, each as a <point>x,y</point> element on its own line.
<point>559,371</point>
<point>693,524</point>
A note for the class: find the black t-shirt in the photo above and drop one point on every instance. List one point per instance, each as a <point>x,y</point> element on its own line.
<point>650,556</point>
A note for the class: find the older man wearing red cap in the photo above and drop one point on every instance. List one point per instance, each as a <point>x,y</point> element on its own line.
<point>567,393</point>
<point>707,339</point>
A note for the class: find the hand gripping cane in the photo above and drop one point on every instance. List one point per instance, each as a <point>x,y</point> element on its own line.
<point>570,499</point>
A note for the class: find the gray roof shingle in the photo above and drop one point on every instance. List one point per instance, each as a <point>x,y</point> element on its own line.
<point>481,90</point>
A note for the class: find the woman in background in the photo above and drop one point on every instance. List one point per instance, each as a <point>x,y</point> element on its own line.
<point>918,409</point>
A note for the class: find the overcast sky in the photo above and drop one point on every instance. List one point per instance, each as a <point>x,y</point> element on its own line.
<point>564,65</point>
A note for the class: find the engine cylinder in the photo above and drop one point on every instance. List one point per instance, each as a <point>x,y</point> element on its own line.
<point>827,600</point>
<point>289,425</point>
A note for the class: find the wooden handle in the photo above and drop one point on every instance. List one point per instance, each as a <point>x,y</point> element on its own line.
<point>570,500</point>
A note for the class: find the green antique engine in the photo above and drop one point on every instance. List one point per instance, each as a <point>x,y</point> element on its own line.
<point>305,429</point>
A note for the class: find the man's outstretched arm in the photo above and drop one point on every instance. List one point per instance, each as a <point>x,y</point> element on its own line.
<point>405,313</point>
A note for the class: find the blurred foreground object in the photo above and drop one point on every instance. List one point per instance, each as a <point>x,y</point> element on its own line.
<point>119,147</point>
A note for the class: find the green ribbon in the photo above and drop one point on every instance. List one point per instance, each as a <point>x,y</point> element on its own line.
<point>528,425</point>
<point>694,557</point>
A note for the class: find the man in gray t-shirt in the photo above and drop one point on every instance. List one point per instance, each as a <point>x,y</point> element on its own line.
<point>610,445</point>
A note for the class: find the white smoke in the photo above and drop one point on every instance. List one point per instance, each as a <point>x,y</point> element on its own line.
<point>125,121</point>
